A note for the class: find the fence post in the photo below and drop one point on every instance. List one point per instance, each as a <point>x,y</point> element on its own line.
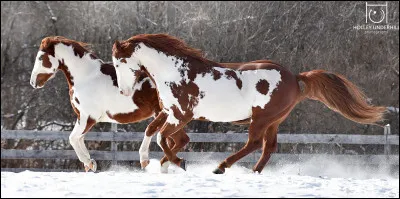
<point>114,143</point>
<point>386,132</point>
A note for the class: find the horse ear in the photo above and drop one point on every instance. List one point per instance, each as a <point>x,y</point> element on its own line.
<point>117,44</point>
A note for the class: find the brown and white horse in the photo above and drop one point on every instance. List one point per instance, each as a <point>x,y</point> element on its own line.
<point>192,87</point>
<point>94,94</point>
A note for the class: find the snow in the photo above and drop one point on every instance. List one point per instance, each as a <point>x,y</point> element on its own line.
<point>296,180</point>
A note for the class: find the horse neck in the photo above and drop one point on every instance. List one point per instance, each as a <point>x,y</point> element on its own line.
<point>76,69</point>
<point>160,66</point>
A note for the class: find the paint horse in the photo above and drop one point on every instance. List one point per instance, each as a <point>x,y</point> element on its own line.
<point>192,87</point>
<point>94,94</point>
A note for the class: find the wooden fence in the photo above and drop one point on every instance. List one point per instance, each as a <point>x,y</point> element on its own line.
<point>386,158</point>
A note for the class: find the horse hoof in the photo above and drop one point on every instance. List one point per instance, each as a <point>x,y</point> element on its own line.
<point>257,172</point>
<point>218,171</point>
<point>183,164</point>
<point>144,163</point>
<point>92,166</point>
<point>164,167</point>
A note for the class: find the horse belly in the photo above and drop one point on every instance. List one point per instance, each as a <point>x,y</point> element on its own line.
<point>222,102</point>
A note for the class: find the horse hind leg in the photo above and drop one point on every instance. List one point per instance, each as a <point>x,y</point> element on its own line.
<point>270,142</point>
<point>254,142</point>
<point>270,145</point>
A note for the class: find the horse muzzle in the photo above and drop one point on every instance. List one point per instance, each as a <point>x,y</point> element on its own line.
<point>33,83</point>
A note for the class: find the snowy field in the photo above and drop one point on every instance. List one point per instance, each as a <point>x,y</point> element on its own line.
<point>296,180</point>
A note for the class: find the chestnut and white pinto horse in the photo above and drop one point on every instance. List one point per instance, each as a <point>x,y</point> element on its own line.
<point>192,87</point>
<point>95,96</point>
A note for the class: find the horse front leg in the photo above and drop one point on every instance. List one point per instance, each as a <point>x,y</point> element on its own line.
<point>150,131</point>
<point>180,139</point>
<point>167,130</point>
<point>76,139</point>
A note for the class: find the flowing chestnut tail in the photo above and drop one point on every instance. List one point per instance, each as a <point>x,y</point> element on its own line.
<point>340,95</point>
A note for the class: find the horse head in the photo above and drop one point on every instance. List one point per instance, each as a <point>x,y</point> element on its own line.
<point>48,61</point>
<point>126,66</point>
<point>46,64</point>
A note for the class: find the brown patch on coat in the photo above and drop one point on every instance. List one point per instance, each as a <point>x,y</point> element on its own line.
<point>48,43</point>
<point>76,100</point>
<point>93,56</point>
<point>108,69</point>
<point>89,124</point>
<point>202,94</point>
<point>123,60</point>
<point>142,68</point>
<point>141,76</point>
<point>42,78</point>
<point>232,74</point>
<point>122,50</point>
<point>67,74</point>
<point>156,124</point>
<point>45,60</point>
<point>262,86</point>
<point>216,74</point>
<point>186,93</point>
<point>76,110</point>
<point>146,99</point>
<point>179,115</point>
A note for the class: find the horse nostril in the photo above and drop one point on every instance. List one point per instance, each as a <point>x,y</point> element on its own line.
<point>120,91</point>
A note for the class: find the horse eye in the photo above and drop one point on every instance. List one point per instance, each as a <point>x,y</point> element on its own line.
<point>41,58</point>
<point>116,65</point>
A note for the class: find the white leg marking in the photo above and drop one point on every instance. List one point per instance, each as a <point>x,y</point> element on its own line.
<point>144,148</point>
<point>76,139</point>
<point>164,167</point>
<point>159,139</point>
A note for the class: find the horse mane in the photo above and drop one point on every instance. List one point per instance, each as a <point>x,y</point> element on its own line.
<point>169,45</point>
<point>48,44</point>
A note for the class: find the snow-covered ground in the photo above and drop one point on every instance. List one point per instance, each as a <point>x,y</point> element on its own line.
<point>326,179</point>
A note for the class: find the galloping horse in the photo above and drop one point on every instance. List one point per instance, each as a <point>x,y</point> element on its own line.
<point>95,96</point>
<point>192,87</point>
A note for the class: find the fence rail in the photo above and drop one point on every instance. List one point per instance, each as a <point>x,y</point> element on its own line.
<point>195,156</point>
<point>208,137</point>
<point>387,140</point>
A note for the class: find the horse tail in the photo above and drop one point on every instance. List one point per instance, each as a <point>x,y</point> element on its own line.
<point>340,95</point>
